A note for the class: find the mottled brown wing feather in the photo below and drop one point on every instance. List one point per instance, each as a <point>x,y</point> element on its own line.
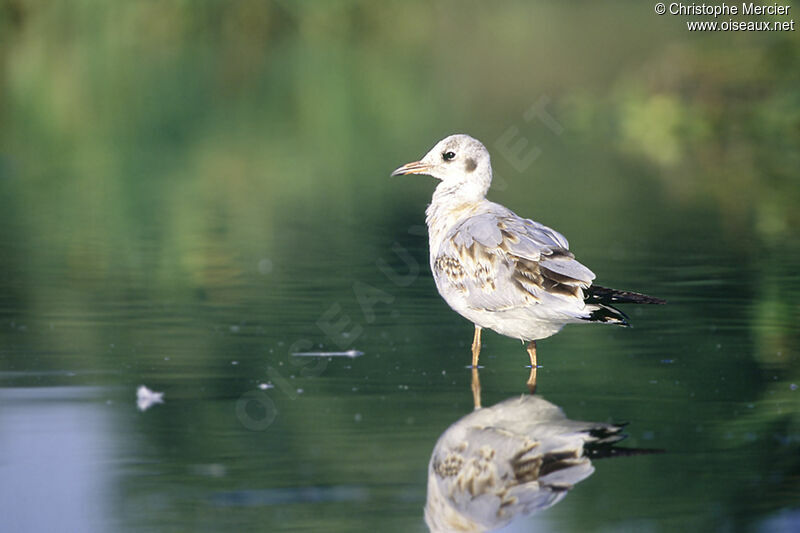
<point>487,250</point>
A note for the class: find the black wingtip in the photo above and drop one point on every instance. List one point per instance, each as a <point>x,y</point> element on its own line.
<point>604,295</point>
<point>607,452</point>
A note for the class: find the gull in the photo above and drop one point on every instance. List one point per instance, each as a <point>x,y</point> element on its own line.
<point>499,270</point>
<point>515,458</point>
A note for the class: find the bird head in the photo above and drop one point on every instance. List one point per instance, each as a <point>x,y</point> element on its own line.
<point>459,161</point>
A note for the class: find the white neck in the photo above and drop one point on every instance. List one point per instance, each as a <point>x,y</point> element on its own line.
<point>450,203</point>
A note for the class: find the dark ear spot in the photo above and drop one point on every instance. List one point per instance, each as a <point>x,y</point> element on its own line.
<point>470,164</point>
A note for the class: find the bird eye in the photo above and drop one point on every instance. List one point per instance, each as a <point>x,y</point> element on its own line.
<point>448,156</point>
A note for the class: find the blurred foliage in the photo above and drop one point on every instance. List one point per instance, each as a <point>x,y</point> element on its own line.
<point>184,184</point>
<point>732,119</point>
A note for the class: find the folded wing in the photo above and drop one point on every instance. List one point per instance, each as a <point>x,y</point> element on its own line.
<point>502,261</point>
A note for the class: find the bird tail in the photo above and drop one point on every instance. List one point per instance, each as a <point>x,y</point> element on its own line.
<point>607,314</point>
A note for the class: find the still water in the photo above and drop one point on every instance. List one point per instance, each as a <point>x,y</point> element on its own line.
<point>192,192</point>
<point>252,438</point>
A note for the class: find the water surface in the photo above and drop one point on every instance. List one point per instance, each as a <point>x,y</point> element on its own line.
<point>185,204</point>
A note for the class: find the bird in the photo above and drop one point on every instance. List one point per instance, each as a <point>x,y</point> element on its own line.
<point>498,270</point>
<point>509,460</point>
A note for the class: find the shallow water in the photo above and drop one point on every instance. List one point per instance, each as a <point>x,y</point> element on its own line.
<point>253,438</point>
<point>186,207</point>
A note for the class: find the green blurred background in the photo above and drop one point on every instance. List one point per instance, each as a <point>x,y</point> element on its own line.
<point>189,189</point>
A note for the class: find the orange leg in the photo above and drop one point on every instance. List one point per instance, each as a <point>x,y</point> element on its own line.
<point>476,346</point>
<point>532,377</point>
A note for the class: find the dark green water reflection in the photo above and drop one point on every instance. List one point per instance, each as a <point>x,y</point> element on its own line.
<point>191,192</point>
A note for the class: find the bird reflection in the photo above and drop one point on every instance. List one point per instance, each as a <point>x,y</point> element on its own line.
<point>514,458</point>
